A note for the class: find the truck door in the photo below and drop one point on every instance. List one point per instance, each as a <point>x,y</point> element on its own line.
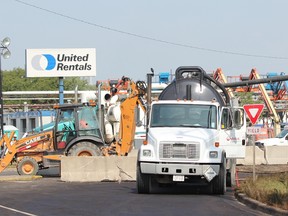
<point>233,132</point>
<point>65,128</point>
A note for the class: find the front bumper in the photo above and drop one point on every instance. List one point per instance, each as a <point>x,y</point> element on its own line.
<point>209,171</point>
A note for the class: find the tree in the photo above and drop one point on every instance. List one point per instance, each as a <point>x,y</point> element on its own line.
<point>247,98</point>
<point>16,80</point>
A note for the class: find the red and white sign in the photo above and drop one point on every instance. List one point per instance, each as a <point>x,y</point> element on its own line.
<point>253,111</point>
<point>254,130</point>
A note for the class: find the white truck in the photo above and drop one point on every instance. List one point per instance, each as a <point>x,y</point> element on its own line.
<point>194,134</point>
<point>280,140</point>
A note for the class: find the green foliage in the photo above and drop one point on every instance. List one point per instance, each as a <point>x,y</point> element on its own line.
<point>16,80</point>
<point>247,98</point>
<point>272,189</point>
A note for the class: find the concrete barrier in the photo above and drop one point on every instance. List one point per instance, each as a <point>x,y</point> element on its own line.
<point>97,169</point>
<point>248,160</point>
<point>123,168</point>
<point>276,154</point>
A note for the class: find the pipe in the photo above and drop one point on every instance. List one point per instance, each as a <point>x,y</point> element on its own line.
<point>149,90</point>
<point>188,92</point>
<point>254,82</point>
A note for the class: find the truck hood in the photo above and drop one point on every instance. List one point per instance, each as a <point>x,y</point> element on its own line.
<point>183,134</point>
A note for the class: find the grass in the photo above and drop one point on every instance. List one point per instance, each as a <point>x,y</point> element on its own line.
<point>271,189</point>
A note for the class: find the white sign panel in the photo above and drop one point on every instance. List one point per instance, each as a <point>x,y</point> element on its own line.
<point>60,62</point>
<point>254,130</point>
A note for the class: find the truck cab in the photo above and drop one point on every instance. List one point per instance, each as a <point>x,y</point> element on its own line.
<point>192,132</point>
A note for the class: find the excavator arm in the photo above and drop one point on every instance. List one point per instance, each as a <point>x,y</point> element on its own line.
<point>127,121</point>
<point>219,76</point>
<point>268,102</point>
<point>124,143</point>
<point>7,153</point>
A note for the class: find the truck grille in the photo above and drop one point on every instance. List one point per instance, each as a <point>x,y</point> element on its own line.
<point>179,150</point>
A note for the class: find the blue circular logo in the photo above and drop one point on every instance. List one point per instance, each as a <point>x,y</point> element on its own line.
<point>43,62</point>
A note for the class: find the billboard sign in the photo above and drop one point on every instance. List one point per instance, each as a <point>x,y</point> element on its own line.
<point>60,62</point>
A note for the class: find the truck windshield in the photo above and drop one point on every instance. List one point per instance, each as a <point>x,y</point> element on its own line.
<point>183,115</point>
<point>282,134</point>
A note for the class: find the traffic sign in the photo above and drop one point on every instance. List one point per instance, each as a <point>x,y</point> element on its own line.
<point>253,111</point>
<point>254,130</point>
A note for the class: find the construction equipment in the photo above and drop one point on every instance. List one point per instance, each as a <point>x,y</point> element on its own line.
<point>193,130</point>
<point>195,133</point>
<point>254,79</point>
<point>124,113</point>
<point>76,132</point>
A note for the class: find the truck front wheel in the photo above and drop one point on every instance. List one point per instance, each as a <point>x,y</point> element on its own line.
<point>84,149</point>
<point>27,166</point>
<point>143,182</point>
<point>219,182</point>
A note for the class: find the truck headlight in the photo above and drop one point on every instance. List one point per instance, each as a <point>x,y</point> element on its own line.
<point>146,153</point>
<point>213,154</point>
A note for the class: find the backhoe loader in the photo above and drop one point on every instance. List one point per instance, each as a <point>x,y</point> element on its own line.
<point>76,132</point>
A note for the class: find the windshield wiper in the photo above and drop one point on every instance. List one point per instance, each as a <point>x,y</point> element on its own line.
<point>190,125</point>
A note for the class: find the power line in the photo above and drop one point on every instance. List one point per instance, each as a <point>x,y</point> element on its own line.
<point>150,38</point>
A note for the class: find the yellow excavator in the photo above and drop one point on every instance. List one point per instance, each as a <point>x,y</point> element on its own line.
<point>76,132</point>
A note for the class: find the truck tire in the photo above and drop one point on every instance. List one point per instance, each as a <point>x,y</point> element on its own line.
<point>84,149</point>
<point>231,173</point>
<point>228,179</point>
<point>143,182</point>
<point>27,166</point>
<point>219,182</point>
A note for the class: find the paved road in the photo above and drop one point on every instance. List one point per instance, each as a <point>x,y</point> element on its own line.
<point>51,196</point>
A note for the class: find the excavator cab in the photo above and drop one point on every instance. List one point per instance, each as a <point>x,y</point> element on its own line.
<point>65,128</point>
<point>75,121</point>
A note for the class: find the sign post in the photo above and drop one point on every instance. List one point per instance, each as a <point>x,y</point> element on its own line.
<point>253,112</point>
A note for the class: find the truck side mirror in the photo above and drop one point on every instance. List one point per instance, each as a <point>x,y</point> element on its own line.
<point>226,121</point>
<point>238,118</point>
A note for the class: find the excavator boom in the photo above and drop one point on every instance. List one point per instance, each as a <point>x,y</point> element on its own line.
<point>7,153</point>
<point>127,122</point>
<point>123,143</point>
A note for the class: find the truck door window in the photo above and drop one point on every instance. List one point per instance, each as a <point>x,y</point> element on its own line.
<point>226,120</point>
<point>238,117</point>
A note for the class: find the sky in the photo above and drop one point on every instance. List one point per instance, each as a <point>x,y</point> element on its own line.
<point>133,36</point>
